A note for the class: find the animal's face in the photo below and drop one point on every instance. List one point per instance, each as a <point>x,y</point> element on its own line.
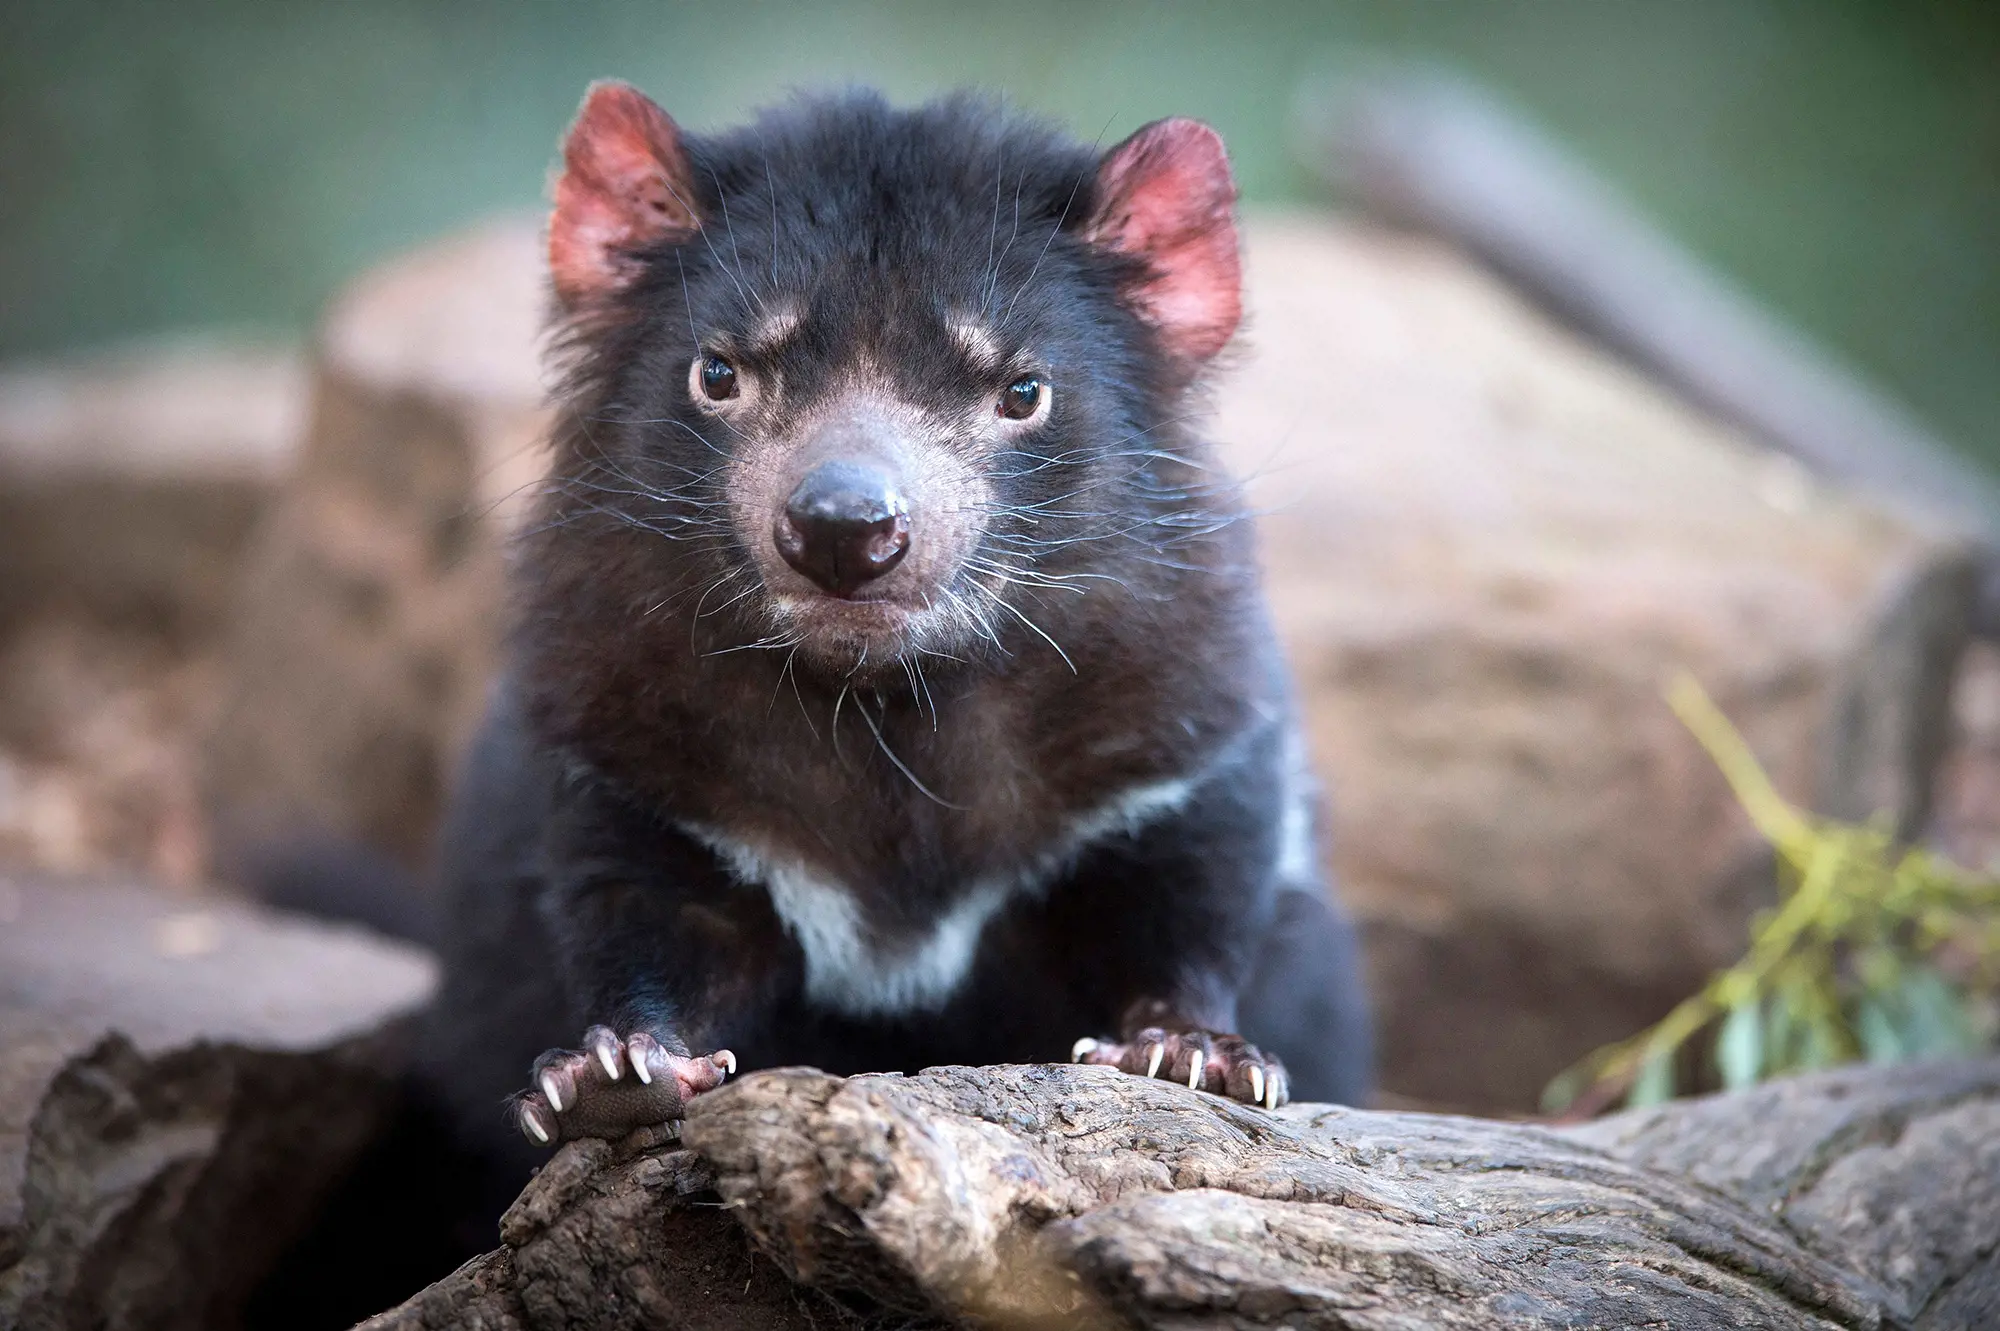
<point>873,383</point>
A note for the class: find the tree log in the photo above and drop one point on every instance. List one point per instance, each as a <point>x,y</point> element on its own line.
<point>182,1082</point>
<point>130,481</point>
<point>1075,1196</point>
<point>1488,547</point>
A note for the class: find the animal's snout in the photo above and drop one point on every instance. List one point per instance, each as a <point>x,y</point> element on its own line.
<point>845,525</point>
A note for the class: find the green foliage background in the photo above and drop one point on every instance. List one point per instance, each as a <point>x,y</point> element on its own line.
<point>166,163</point>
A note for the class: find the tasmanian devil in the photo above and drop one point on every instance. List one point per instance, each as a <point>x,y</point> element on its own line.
<point>890,683</point>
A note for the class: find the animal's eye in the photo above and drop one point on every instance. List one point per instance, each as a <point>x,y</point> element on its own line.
<point>1019,400</point>
<point>718,379</point>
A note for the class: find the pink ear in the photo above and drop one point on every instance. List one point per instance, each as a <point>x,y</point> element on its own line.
<point>624,186</point>
<point>1165,196</point>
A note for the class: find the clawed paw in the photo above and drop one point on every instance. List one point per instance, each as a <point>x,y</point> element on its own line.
<point>613,1085</point>
<point>1200,1060</point>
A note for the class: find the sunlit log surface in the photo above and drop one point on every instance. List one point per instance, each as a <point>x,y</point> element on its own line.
<point>1068,1196</point>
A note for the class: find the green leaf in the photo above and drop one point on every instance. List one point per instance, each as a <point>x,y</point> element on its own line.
<point>1785,1030</point>
<point>1935,1015</point>
<point>1560,1093</point>
<point>1655,1082</point>
<point>1821,1046</point>
<point>1876,1029</point>
<point>1739,1045</point>
<point>1842,967</point>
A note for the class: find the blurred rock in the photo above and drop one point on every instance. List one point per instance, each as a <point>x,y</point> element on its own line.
<point>181,1083</point>
<point>1489,548</point>
<point>367,624</point>
<point>1967,826</point>
<point>129,482</point>
<point>98,735</point>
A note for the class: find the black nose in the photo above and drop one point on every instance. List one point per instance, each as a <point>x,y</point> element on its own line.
<point>844,526</point>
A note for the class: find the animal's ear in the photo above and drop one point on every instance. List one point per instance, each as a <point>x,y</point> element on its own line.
<point>624,186</point>
<point>1166,198</point>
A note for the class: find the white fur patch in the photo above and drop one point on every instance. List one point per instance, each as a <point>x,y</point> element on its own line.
<point>1295,839</point>
<point>778,325</point>
<point>852,972</point>
<point>978,343</point>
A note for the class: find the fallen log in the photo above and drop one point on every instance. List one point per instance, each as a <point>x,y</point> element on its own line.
<point>183,1081</point>
<point>1074,1196</point>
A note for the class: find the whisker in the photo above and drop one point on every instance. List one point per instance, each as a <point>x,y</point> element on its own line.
<point>702,231</point>
<point>901,766</point>
<point>785,673</point>
<point>1055,230</point>
<point>722,198</point>
<point>1016,611</point>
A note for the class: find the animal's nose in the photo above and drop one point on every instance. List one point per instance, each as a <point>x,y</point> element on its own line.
<point>844,526</point>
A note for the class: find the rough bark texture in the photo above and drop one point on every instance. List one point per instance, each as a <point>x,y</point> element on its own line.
<point>627,1234</point>
<point>1064,1196</point>
<point>181,1082</point>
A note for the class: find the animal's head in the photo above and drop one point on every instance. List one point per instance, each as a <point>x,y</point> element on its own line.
<point>861,384</point>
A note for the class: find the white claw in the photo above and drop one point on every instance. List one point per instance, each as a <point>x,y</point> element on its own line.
<point>1084,1046</point>
<point>549,1090</point>
<point>534,1127</point>
<point>1271,1093</point>
<point>1256,1085</point>
<point>726,1060</point>
<point>608,1056</point>
<point>1154,1053</point>
<point>640,1070</point>
<point>1194,1070</point>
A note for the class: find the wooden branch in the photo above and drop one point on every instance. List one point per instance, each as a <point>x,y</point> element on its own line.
<point>1427,149</point>
<point>1070,1196</point>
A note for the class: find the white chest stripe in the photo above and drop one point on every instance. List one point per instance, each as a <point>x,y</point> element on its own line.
<point>852,972</point>
<point>1296,852</point>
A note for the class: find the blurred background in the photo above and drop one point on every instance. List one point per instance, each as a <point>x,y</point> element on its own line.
<point>229,163</point>
<point>1541,296</point>
<point>1589,343</point>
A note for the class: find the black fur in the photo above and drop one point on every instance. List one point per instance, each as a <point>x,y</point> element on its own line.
<point>1117,637</point>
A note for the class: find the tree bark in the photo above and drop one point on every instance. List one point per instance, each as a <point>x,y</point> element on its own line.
<point>1073,1196</point>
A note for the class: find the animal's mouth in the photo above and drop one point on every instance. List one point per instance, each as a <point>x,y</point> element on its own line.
<point>862,613</point>
<point>848,633</point>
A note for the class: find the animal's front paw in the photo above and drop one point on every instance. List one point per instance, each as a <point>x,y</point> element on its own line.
<point>612,1086</point>
<point>1201,1060</point>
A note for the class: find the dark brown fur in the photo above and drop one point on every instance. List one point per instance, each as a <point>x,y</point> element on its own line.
<point>687,725</point>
